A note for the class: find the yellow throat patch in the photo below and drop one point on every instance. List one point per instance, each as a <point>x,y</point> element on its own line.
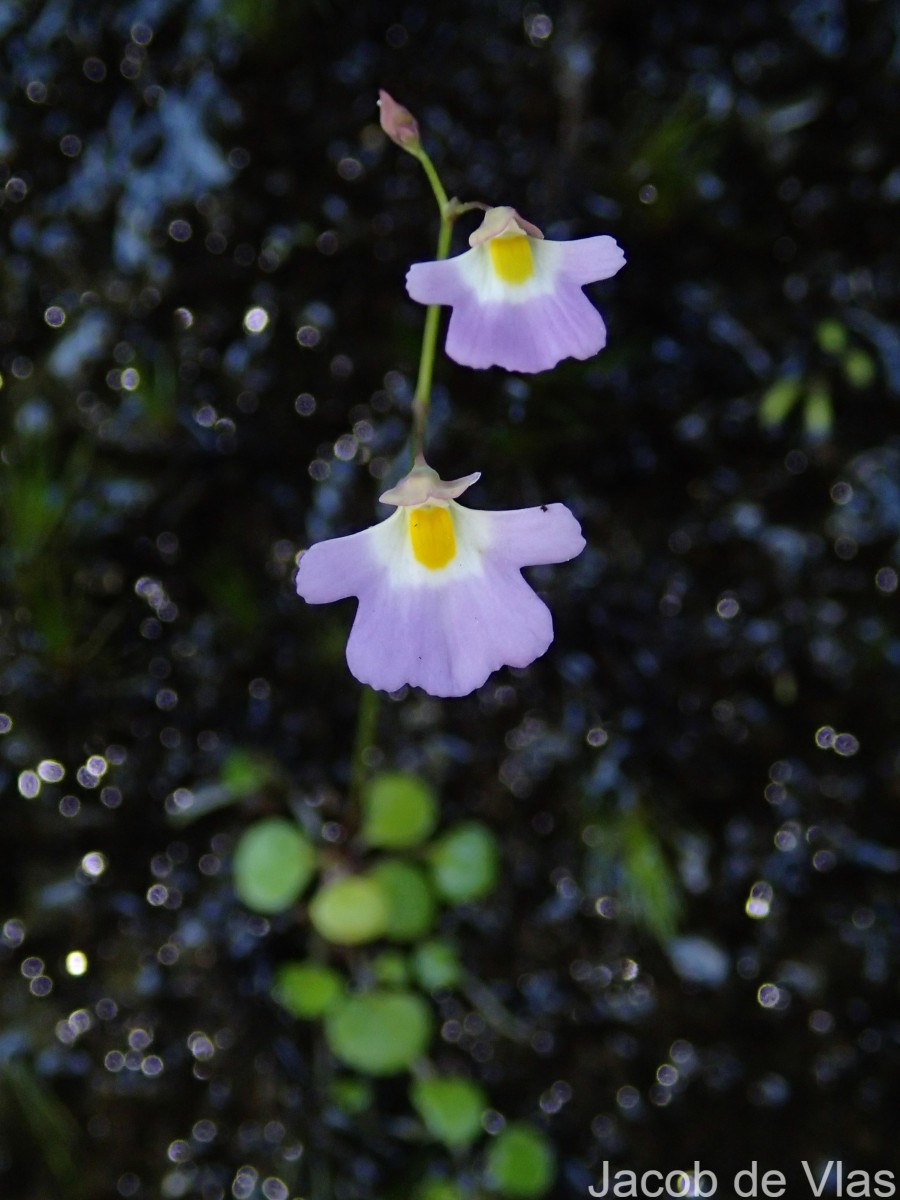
<point>511,258</point>
<point>431,534</point>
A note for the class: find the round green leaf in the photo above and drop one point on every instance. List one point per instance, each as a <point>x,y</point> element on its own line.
<point>438,1189</point>
<point>307,989</point>
<point>381,1032</point>
<point>350,910</point>
<point>520,1163</point>
<point>831,336</point>
<point>450,1109</point>
<point>273,862</point>
<point>410,899</point>
<point>398,811</point>
<point>859,368</point>
<point>464,862</point>
<point>436,965</point>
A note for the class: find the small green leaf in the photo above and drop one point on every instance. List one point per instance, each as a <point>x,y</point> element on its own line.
<point>438,1189</point>
<point>352,1094</point>
<point>399,811</point>
<point>307,989</point>
<point>779,400</point>
<point>450,1109</point>
<point>244,772</point>
<point>858,368</point>
<point>520,1163</point>
<point>650,888</point>
<point>464,863</point>
<point>380,1032</point>
<point>273,862</point>
<point>831,336</point>
<point>818,415</point>
<point>349,911</point>
<point>410,900</point>
<point>389,968</point>
<point>436,965</point>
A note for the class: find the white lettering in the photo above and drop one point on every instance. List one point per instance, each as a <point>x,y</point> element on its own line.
<point>817,1188</point>
<point>773,1183</point>
<point>701,1175</point>
<point>645,1187</point>
<point>884,1184</point>
<point>858,1184</point>
<point>751,1173</point>
<point>592,1191</point>
<point>627,1186</point>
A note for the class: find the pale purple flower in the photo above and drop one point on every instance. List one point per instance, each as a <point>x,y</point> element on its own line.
<point>516,298</point>
<point>442,601</point>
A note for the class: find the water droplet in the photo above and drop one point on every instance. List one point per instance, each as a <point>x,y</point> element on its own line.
<point>94,864</point>
<point>255,320</point>
<point>886,580</point>
<point>29,784</point>
<point>769,995</point>
<point>846,745</point>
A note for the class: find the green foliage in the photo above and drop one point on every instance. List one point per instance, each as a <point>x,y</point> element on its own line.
<point>231,588</point>
<point>410,900</point>
<point>464,862</point>
<point>245,772</point>
<point>831,336</point>
<point>352,1094</point>
<point>778,401</point>
<point>50,1124</point>
<point>390,968</point>
<point>380,1032</point>
<point>399,811</point>
<point>818,413</point>
<point>450,1108</point>
<point>858,368</point>
<point>438,1189</point>
<point>650,889</point>
<point>520,1162</point>
<point>306,989</point>
<point>436,964</point>
<point>350,910</point>
<point>273,863</point>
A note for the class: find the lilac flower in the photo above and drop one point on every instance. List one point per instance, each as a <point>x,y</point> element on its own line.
<point>442,602</point>
<point>516,298</point>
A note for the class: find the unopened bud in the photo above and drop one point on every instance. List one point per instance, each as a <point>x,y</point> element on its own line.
<point>398,122</point>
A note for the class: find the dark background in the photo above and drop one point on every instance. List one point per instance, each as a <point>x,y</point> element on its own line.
<point>169,167</point>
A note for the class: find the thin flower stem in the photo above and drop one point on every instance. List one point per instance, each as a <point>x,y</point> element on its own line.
<point>366,719</point>
<point>436,186</point>
<point>367,715</point>
<point>422,398</point>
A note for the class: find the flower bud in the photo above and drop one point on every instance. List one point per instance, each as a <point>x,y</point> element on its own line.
<point>398,123</point>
